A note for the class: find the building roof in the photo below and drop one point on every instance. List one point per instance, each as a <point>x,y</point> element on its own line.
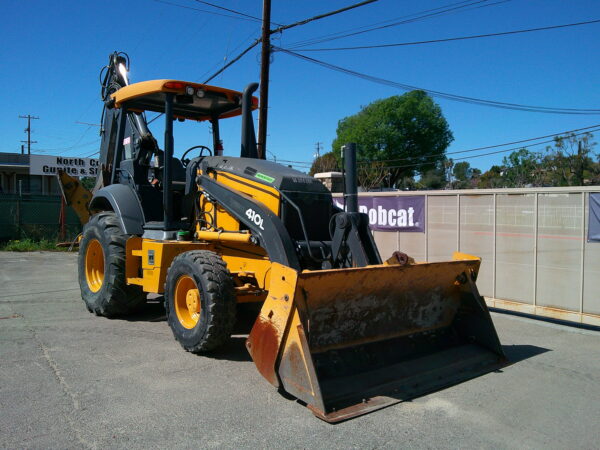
<point>14,160</point>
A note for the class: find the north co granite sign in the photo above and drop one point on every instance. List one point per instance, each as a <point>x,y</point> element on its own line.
<point>49,165</point>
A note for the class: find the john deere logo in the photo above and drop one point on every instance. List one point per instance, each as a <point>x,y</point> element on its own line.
<point>262,176</point>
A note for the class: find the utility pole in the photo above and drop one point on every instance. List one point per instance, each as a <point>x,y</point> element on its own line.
<point>318,149</point>
<point>28,131</point>
<point>265,61</point>
<point>317,163</point>
<point>579,166</point>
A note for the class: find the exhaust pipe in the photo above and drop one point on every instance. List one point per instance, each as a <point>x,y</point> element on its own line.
<point>248,149</point>
<point>350,177</point>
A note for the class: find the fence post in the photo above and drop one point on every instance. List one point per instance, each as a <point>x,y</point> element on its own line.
<point>582,275</point>
<point>494,248</point>
<point>62,219</point>
<point>458,222</point>
<point>535,247</point>
<point>18,215</point>
<point>426,227</point>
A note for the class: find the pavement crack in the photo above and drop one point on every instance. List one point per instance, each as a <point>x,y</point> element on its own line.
<point>56,371</point>
<point>66,389</point>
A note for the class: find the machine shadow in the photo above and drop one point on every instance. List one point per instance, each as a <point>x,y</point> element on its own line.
<point>151,311</point>
<point>517,353</point>
<point>409,391</point>
<point>235,350</point>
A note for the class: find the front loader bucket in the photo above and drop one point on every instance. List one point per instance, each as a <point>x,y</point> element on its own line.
<point>349,341</point>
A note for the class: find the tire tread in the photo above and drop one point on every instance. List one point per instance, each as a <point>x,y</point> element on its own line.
<point>116,297</point>
<point>219,296</point>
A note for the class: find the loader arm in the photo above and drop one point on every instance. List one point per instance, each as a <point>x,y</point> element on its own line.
<point>271,233</point>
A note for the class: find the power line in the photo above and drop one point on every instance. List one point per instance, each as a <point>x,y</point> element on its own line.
<point>259,40</point>
<point>229,10</point>
<point>72,147</point>
<point>258,19</point>
<point>460,38</point>
<point>486,154</point>
<point>410,18</point>
<point>406,166</point>
<point>445,95</point>
<point>324,15</point>
<point>76,144</point>
<point>233,61</point>
<point>256,41</point>
<point>166,2</point>
<point>265,65</point>
<point>227,54</point>
<point>583,130</point>
<point>221,70</point>
<point>276,30</point>
<point>286,27</point>
<point>497,145</point>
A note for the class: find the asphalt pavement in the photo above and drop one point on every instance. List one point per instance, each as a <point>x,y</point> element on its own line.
<point>69,379</point>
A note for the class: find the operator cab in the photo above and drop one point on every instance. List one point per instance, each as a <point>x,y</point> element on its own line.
<point>164,194</point>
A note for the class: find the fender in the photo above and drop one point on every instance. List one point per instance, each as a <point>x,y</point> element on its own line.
<point>124,202</point>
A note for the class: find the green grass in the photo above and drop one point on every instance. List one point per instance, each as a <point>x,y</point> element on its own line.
<point>29,245</point>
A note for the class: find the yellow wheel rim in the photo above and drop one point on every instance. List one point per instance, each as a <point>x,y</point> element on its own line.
<point>187,301</point>
<point>94,265</point>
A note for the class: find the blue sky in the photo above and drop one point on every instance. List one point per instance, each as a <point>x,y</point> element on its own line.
<point>52,53</point>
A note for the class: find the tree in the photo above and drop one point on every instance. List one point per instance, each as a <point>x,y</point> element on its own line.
<point>475,176</point>
<point>88,182</point>
<point>491,178</point>
<point>595,173</point>
<point>434,178</point>
<point>523,168</point>
<point>462,175</point>
<point>408,133</point>
<point>570,161</point>
<point>372,176</point>
<point>327,162</point>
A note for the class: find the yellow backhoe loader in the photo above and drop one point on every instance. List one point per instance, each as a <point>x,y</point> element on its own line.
<point>339,329</point>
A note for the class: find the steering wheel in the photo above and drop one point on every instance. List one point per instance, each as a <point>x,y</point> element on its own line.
<point>185,161</point>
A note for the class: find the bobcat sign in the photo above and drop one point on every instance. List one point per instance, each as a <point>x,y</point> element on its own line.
<point>402,213</point>
<point>49,165</point>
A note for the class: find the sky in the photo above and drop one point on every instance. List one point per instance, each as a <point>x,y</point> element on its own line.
<point>52,53</point>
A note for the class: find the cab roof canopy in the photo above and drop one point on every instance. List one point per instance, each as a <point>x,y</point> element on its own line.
<point>191,101</point>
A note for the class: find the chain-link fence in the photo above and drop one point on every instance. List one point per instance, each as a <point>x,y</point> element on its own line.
<point>35,217</point>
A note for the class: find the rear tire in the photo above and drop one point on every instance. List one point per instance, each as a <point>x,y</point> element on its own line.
<point>200,301</point>
<point>101,264</point>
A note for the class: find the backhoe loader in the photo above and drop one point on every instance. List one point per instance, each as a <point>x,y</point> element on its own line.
<point>339,329</point>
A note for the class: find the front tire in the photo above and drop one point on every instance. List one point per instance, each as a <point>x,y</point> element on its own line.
<point>200,301</point>
<point>101,264</point>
